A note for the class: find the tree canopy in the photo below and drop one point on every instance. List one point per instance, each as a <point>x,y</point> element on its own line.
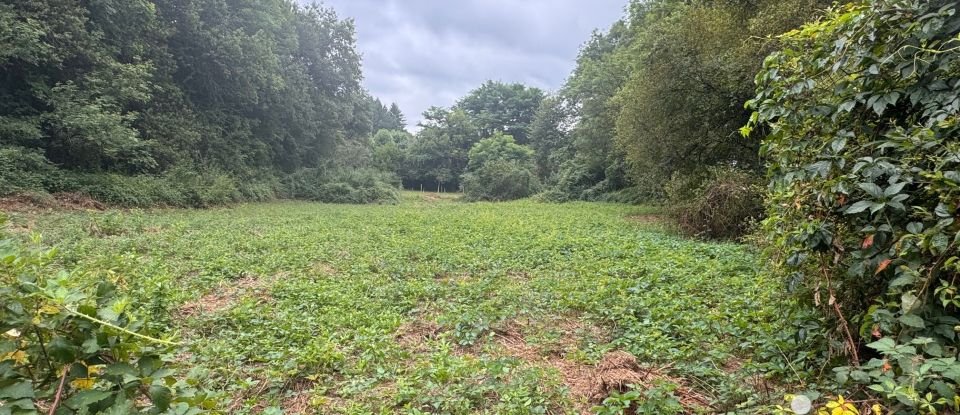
<point>249,88</point>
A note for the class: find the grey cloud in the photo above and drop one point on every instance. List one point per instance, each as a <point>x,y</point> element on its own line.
<point>420,53</point>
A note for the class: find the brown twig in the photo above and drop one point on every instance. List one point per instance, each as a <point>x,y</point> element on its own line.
<point>56,400</point>
<point>846,328</point>
<point>843,321</point>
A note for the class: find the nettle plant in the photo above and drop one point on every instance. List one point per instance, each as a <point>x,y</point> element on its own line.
<point>70,346</point>
<point>864,162</point>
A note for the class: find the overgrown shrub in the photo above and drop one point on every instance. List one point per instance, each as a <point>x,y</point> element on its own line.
<point>865,179</point>
<point>500,169</point>
<point>501,180</point>
<point>356,186</point>
<point>719,203</point>
<point>178,188</point>
<point>24,170</point>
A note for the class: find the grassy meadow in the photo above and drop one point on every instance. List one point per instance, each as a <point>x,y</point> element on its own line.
<point>436,306</point>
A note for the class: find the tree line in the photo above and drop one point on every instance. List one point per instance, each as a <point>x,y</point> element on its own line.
<point>653,107</point>
<point>229,96</point>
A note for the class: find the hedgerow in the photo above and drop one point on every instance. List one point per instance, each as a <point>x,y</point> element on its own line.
<point>865,188</point>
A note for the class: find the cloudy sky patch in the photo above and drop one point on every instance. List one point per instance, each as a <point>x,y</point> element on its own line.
<point>421,53</point>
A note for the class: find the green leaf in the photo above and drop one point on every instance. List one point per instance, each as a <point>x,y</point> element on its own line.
<point>883,345</point>
<point>18,390</point>
<point>86,398</point>
<point>912,320</point>
<point>121,406</point>
<point>859,207</point>
<point>872,189</point>
<point>894,189</point>
<point>62,350</point>
<point>847,106</point>
<point>161,397</point>
<point>908,301</point>
<point>914,227</point>
<point>933,349</point>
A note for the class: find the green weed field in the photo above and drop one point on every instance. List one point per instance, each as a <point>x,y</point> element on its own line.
<point>437,306</point>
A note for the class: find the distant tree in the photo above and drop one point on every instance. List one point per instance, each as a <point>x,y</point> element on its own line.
<point>590,164</point>
<point>390,151</point>
<point>398,118</point>
<point>500,169</point>
<point>498,147</point>
<point>385,118</point>
<point>694,66</point>
<point>549,132</point>
<point>438,155</point>
<point>499,107</point>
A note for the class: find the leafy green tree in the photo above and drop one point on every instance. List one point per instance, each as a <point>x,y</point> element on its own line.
<point>384,118</point>
<point>400,122</point>
<point>253,89</point>
<point>498,147</point>
<point>590,164</point>
<point>390,149</point>
<point>549,132</point>
<point>500,169</point>
<point>439,153</point>
<point>499,107</point>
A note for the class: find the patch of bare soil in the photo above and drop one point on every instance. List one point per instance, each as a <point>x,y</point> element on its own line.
<point>22,228</point>
<point>415,335</point>
<point>238,400</point>
<point>590,384</point>
<point>228,293</point>
<point>323,268</point>
<point>297,396</point>
<point>432,197</point>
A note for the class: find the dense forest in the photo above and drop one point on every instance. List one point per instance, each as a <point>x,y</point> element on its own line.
<point>820,138</point>
<point>178,102</point>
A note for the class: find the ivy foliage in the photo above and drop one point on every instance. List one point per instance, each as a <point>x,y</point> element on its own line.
<point>77,347</point>
<point>863,109</point>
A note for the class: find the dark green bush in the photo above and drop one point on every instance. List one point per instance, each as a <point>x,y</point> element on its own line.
<point>500,169</point>
<point>501,180</point>
<point>24,170</point>
<point>178,188</point>
<point>720,203</point>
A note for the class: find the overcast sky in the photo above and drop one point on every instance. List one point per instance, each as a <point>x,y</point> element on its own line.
<point>420,53</point>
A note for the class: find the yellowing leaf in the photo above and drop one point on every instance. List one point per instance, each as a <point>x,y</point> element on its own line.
<point>49,309</point>
<point>14,333</point>
<point>83,383</point>
<point>19,357</point>
<point>95,370</point>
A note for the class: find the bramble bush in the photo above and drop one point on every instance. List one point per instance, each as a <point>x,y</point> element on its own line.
<point>865,188</point>
<point>718,203</point>
<point>70,345</point>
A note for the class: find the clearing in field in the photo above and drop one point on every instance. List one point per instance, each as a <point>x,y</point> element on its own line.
<point>435,306</point>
